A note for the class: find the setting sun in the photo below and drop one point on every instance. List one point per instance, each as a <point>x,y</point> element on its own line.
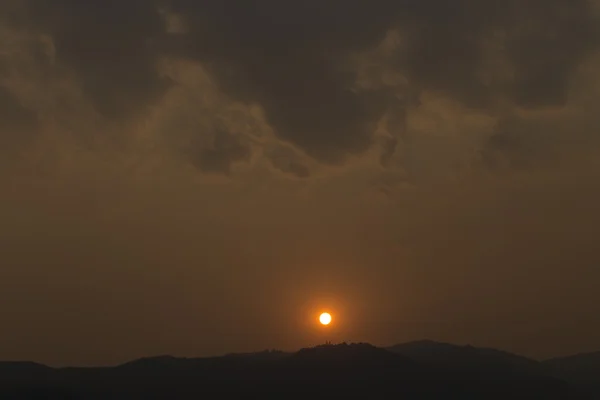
<point>325,318</point>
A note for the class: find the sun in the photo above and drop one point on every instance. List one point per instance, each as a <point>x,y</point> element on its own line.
<point>325,318</point>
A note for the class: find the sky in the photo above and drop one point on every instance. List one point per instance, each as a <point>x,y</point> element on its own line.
<point>203,177</point>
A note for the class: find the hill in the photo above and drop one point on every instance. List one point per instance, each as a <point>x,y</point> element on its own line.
<point>580,369</point>
<point>467,358</point>
<point>329,371</point>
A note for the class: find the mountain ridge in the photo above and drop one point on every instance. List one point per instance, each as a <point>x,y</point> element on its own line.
<point>420,369</point>
<point>275,353</point>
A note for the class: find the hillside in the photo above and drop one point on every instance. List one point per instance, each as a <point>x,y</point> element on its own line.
<point>467,358</point>
<point>329,371</point>
<point>580,369</point>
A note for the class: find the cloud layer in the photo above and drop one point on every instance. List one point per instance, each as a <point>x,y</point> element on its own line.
<point>396,158</point>
<point>324,75</point>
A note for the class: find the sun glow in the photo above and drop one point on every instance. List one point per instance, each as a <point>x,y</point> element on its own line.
<point>325,318</point>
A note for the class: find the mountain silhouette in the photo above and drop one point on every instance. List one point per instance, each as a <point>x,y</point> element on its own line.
<point>18,368</point>
<point>357,370</point>
<point>345,356</point>
<point>580,369</point>
<point>467,358</point>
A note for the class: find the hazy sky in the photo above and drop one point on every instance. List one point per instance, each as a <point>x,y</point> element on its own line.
<point>199,177</point>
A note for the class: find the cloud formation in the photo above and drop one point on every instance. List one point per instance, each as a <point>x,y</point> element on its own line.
<point>351,149</point>
<point>325,75</point>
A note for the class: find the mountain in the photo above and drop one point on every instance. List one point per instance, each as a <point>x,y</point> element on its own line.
<point>581,369</point>
<point>329,371</point>
<point>344,356</point>
<point>19,368</point>
<point>17,371</point>
<point>467,358</point>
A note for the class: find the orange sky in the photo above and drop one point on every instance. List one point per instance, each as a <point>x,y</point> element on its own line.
<point>198,178</point>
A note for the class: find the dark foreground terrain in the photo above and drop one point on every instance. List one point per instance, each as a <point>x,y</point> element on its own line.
<point>418,370</point>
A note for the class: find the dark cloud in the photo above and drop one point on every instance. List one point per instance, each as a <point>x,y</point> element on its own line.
<point>291,57</point>
<point>444,46</point>
<point>109,45</point>
<point>224,151</point>
<point>507,148</point>
<point>551,41</point>
<point>287,56</point>
<point>291,167</point>
<point>288,161</point>
<point>540,41</point>
<point>547,138</point>
<point>13,11</point>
